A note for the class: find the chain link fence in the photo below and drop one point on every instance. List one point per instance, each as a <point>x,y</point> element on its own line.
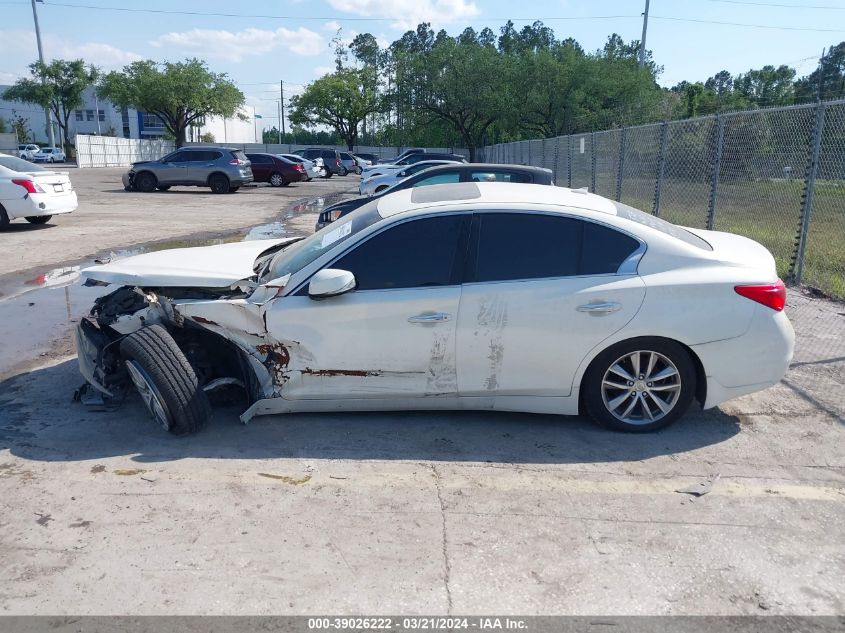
<point>775,175</point>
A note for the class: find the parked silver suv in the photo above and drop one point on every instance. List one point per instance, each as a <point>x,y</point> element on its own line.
<point>223,169</point>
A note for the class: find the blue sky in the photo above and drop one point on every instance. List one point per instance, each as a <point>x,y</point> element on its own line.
<point>259,51</point>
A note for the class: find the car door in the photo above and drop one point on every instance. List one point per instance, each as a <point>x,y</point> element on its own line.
<point>173,168</point>
<point>200,165</point>
<point>394,335</point>
<point>542,291</point>
<point>261,167</point>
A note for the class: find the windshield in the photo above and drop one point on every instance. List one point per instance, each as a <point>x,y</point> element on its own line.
<point>300,254</point>
<point>17,164</point>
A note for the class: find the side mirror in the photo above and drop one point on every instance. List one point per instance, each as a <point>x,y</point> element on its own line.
<point>402,174</point>
<point>330,282</point>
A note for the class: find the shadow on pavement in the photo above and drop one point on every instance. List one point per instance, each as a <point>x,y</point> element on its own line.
<point>39,422</point>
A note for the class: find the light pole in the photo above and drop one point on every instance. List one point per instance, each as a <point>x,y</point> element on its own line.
<point>47,114</point>
<point>642,41</point>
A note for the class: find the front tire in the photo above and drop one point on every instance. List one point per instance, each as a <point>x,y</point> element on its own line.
<point>639,385</point>
<point>218,183</point>
<point>277,180</point>
<point>165,380</point>
<point>145,182</point>
<point>38,219</point>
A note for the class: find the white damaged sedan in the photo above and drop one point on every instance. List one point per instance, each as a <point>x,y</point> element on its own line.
<point>459,296</point>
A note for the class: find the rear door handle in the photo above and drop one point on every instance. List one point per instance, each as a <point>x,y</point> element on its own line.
<point>606,307</point>
<point>429,317</point>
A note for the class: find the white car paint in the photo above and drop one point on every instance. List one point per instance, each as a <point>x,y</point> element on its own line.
<point>521,345</point>
<point>27,150</point>
<point>311,168</point>
<point>52,192</point>
<point>375,184</point>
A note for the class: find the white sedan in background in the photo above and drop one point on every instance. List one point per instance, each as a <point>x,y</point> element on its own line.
<point>32,192</point>
<point>49,155</point>
<point>312,170</point>
<point>377,184</point>
<point>487,296</point>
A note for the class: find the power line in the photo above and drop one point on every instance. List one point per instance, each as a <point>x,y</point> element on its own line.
<point>780,5</point>
<point>745,24</point>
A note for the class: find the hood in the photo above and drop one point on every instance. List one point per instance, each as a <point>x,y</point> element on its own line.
<point>142,162</point>
<point>217,266</point>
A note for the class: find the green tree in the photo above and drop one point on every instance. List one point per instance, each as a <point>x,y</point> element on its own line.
<point>179,93</point>
<point>768,86</point>
<point>58,86</point>
<point>22,132</point>
<point>340,101</point>
<point>828,80</point>
<point>2,126</point>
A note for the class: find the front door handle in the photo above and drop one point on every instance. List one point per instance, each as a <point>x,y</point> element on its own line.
<point>429,317</point>
<point>604,307</point>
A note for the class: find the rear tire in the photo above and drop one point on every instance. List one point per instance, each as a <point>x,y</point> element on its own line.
<point>163,187</point>
<point>328,173</point>
<point>233,189</point>
<point>38,219</point>
<point>218,183</point>
<point>145,182</point>
<point>277,180</point>
<point>381,188</point>
<point>639,385</point>
<point>165,380</point>
<point>4,219</point>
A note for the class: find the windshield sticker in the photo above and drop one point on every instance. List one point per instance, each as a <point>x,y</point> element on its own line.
<point>333,236</point>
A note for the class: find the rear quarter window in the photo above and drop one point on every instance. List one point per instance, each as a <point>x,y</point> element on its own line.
<point>640,217</point>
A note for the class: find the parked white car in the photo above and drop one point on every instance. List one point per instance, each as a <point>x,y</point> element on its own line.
<point>461,296</point>
<point>27,150</point>
<point>49,155</point>
<point>32,192</point>
<point>377,184</point>
<point>311,168</point>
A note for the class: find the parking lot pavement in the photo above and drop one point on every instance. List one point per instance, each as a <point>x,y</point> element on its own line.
<point>464,513</point>
<point>110,218</point>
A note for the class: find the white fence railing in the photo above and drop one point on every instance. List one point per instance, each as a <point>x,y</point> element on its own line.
<point>110,151</point>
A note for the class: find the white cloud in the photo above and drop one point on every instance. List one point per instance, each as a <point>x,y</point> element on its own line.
<point>332,26</point>
<point>408,13</point>
<point>319,71</point>
<point>23,44</point>
<point>237,45</point>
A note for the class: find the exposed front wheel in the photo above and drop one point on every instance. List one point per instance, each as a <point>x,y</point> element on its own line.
<point>38,219</point>
<point>165,380</point>
<point>218,183</point>
<point>277,180</point>
<point>639,385</point>
<point>145,182</point>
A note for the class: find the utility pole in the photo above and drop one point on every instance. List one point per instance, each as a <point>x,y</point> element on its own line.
<point>642,40</point>
<point>821,74</point>
<point>279,106</point>
<point>282,107</point>
<point>47,114</point>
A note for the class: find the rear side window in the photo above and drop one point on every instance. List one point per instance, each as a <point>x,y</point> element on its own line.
<point>640,217</point>
<point>414,254</point>
<point>534,246</point>
<point>202,156</point>
<point>499,176</point>
<point>239,155</point>
<point>259,159</point>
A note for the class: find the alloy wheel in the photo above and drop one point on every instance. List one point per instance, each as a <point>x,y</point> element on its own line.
<point>149,394</point>
<point>641,387</point>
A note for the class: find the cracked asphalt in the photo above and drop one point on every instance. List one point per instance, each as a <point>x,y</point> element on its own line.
<point>425,513</point>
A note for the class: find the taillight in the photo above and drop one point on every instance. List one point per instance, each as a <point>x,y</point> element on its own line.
<point>299,167</point>
<point>237,161</point>
<point>30,186</point>
<point>770,295</point>
<point>333,215</point>
<point>337,162</point>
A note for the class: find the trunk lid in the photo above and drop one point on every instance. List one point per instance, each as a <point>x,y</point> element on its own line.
<point>217,266</point>
<point>52,182</point>
<point>738,250</point>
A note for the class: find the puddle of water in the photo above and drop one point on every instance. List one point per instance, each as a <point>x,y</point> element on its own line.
<point>36,310</point>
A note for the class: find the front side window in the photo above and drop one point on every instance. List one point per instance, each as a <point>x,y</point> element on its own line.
<point>499,176</point>
<point>438,179</point>
<point>414,254</point>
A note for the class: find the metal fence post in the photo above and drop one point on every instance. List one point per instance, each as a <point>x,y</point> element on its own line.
<point>661,164</point>
<point>621,165</point>
<point>569,161</point>
<point>556,160</point>
<point>717,164</point>
<point>807,201</point>
<point>593,162</point>
<point>529,152</point>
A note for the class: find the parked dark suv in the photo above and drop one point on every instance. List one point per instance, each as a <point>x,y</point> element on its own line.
<point>330,157</point>
<point>444,174</point>
<point>223,169</point>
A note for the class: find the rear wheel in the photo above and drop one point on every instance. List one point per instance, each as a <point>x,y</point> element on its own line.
<point>328,173</point>
<point>4,219</point>
<point>145,182</point>
<point>639,385</point>
<point>277,180</point>
<point>165,380</point>
<point>233,189</point>
<point>343,171</point>
<point>218,183</point>
<point>163,187</point>
<point>38,219</point>
<point>381,188</point>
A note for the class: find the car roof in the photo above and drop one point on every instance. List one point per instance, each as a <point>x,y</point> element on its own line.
<point>494,193</point>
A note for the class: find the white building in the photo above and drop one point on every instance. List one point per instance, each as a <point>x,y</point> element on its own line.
<point>101,117</point>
